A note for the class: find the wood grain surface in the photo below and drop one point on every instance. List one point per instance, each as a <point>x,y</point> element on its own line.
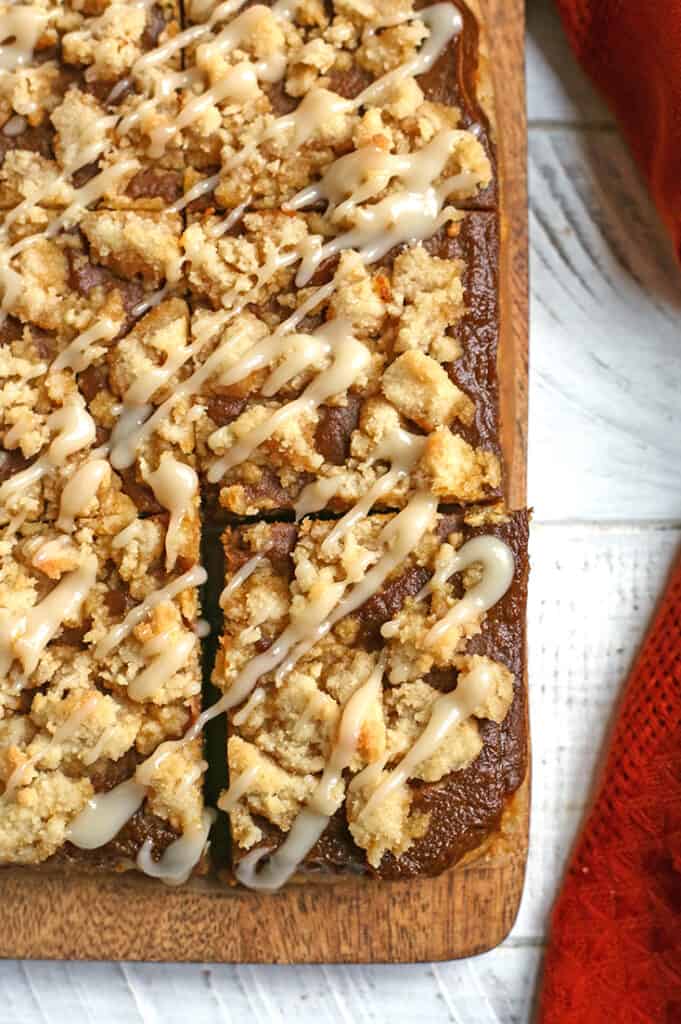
<point>467,910</point>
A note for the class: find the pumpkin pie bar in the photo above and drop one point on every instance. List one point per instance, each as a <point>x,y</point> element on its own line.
<point>88,350</point>
<point>374,681</point>
<point>388,384</point>
<point>75,104</point>
<point>99,667</point>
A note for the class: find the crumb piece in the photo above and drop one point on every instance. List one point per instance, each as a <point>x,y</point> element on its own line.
<point>275,794</point>
<point>421,390</point>
<point>452,469</point>
<point>391,826</point>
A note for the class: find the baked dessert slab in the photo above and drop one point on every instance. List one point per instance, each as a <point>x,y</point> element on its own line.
<point>341,50</point>
<point>422,329</point>
<point>341,660</point>
<point>75,98</point>
<point>90,348</point>
<point>103,96</point>
<point>99,666</point>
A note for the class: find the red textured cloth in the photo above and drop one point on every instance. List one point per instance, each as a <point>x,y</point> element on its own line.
<point>632,51</point>
<point>614,954</point>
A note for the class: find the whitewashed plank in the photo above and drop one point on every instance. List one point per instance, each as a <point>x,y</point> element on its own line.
<point>493,989</point>
<point>557,88</point>
<point>605,337</point>
<point>592,594</point>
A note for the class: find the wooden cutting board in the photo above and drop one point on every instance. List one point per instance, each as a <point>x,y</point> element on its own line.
<point>468,910</point>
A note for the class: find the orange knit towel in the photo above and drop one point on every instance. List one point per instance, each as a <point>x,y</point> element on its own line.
<point>632,51</point>
<point>614,953</point>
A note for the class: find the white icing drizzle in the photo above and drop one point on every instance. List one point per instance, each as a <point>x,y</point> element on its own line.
<point>285,9</point>
<point>144,773</point>
<point>127,428</point>
<point>198,190</point>
<point>137,422</point>
<point>49,550</point>
<point>349,359</point>
<point>238,787</point>
<point>20,30</point>
<point>364,173</point>
<point>194,577</point>
<point>83,350</point>
<point>75,430</point>
<point>168,655</point>
<point>95,752</point>
<point>25,635</point>
<point>400,535</point>
<point>82,197</point>
<point>498,565</point>
<point>89,154</point>
<point>191,35</point>
<point>15,433</point>
<point>324,802</point>
<point>402,450</point>
<point>22,480</point>
<point>15,126</point>
<point>180,858</point>
<point>151,301</point>
<point>399,218</point>
<point>321,294</point>
<point>309,622</point>
<point>225,225</point>
<point>198,10</point>
<point>240,577</point>
<point>80,490</point>
<point>444,22</point>
<point>448,710</point>
<point>256,698</point>
<point>175,485</point>
<point>239,84</point>
<point>105,814</point>
<point>127,535</point>
<point>316,496</point>
<point>317,106</point>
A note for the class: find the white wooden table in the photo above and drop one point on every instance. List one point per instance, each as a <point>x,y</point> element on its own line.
<point>605,482</point>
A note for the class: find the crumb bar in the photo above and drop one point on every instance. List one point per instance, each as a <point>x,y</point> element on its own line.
<point>73,104</point>
<point>384,731</point>
<point>396,370</point>
<point>99,662</point>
